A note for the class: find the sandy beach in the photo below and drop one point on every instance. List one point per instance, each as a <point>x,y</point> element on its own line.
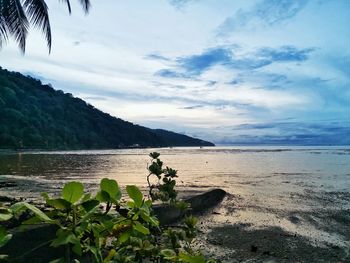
<point>239,231</point>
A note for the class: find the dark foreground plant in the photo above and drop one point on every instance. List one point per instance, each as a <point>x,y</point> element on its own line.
<point>102,228</point>
<point>17,15</point>
<point>164,189</point>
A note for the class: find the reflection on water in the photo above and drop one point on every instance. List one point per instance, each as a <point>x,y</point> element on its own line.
<point>236,169</point>
<point>297,188</point>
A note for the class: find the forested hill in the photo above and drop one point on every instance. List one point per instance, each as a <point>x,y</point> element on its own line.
<point>35,116</point>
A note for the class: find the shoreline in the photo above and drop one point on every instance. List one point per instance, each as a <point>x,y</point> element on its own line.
<point>283,206</point>
<point>228,236</point>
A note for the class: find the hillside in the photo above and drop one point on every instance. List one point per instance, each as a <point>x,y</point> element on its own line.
<point>36,116</point>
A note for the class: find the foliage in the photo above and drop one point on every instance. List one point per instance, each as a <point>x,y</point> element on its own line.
<point>17,15</point>
<point>102,228</point>
<point>35,116</point>
<point>164,190</point>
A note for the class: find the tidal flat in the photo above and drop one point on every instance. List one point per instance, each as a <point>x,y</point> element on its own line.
<point>284,204</point>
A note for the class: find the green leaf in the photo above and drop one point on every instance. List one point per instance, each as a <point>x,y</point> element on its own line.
<point>140,228</point>
<point>103,196</point>
<point>59,260</point>
<point>59,203</point>
<point>145,217</point>
<point>111,187</point>
<point>191,258</point>
<point>135,194</point>
<point>148,203</point>
<point>88,215</point>
<point>45,195</point>
<point>123,237</point>
<point>26,224</point>
<point>154,155</point>
<point>4,237</point>
<point>96,252</point>
<point>154,221</point>
<point>5,215</point>
<point>130,204</point>
<point>64,237</point>
<point>77,249</point>
<point>90,204</point>
<point>73,191</point>
<point>110,255</point>
<point>86,197</point>
<point>168,254</point>
<point>20,206</point>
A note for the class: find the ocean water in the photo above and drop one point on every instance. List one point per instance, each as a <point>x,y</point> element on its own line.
<point>235,169</point>
<point>301,189</point>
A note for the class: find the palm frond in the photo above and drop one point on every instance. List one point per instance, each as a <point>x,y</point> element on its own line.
<point>15,22</point>
<point>14,16</point>
<point>3,30</point>
<point>37,12</point>
<point>68,5</point>
<point>86,5</point>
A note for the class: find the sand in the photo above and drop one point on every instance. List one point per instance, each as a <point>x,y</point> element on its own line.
<point>237,231</point>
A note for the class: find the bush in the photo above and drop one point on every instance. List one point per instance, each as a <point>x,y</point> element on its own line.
<point>103,228</point>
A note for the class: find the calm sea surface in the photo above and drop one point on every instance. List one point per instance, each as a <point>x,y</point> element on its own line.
<point>267,185</point>
<point>231,168</point>
<point>235,169</point>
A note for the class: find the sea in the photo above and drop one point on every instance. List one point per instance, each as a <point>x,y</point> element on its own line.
<point>302,189</point>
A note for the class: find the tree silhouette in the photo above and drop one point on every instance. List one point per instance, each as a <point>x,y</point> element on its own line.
<point>16,16</point>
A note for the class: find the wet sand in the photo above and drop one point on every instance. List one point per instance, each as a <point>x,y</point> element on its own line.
<point>237,231</point>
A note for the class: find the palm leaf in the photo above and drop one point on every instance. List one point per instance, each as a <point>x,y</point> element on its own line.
<point>14,16</point>
<point>3,31</point>
<point>37,12</point>
<point>68,5</point>
<point>14,21</point>
<point>86,5</point>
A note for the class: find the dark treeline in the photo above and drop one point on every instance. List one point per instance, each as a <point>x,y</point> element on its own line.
<point>35,116</point>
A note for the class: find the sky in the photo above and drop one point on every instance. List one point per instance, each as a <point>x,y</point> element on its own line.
<point>231,72</point>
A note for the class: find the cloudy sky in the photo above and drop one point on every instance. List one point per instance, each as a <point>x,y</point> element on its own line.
<point>232,72</point>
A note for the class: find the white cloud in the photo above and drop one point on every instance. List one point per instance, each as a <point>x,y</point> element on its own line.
<point>103,57</point>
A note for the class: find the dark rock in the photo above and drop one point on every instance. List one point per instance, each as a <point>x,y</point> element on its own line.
<point>200,203</point>
<point>22,246</point>
<point>7,199</point>
<point>8,184</point>
<point>32,244</point>
<point>254,248</point>
<point>294,219</point>
<point>168,214</point>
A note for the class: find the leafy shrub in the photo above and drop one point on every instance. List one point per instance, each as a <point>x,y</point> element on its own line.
<point>164,190</point>
<point>102,228</point>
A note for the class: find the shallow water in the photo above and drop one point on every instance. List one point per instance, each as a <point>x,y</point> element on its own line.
<point>301,189</point>
<point>243,170</point>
